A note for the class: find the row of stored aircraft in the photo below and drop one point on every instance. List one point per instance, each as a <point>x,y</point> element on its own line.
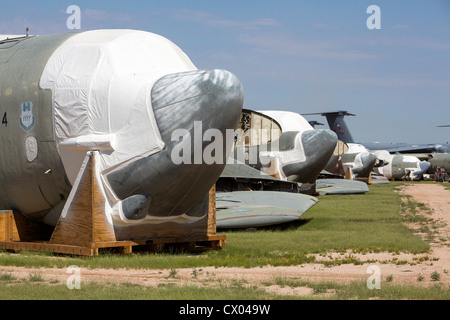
<point>308,157</point>
<point>119,96</point>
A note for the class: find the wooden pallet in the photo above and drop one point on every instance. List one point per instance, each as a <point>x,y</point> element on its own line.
<point>10,241</point>
<point>83,228</point>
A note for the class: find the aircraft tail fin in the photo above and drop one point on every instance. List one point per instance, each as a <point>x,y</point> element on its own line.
<point>337,124</point>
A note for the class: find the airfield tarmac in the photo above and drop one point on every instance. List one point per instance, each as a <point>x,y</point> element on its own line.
<point>413,266</point>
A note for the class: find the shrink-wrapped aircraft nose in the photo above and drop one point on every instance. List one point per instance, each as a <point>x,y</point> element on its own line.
<point>423,167</point>
<point>318,146</point>
<point>133,103</point>
<point>193,111</point>
<point>214,97</point>
<point>364,163</point>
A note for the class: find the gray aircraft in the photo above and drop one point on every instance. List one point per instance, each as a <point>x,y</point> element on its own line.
<point>338,125</point>
<point>356,162</point>
<point>120,94</point>
<point>392,166</point>
<point>436,160</point>
<point>405,148</point>
<point>284,145</point>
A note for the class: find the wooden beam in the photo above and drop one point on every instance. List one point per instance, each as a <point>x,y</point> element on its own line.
<point>83,220</point>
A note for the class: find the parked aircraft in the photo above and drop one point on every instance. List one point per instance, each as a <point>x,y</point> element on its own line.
<point>357,162</point>
<point>399,166</point>
<point>284,145</point>
<point>436,160</point>
<point>119,94</point>
<point>393,166</point>
<point>405,148</point>
<point>336,122</point>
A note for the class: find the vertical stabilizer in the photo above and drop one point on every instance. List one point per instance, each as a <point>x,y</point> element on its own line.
<point>337,124</point>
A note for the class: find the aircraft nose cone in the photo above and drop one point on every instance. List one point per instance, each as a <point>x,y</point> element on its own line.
<point>188,107</point>
<point>214,97</point>
<point>364,163</point>
<point>368,159</point>
<point>424,166</point>
<point>318,146</point>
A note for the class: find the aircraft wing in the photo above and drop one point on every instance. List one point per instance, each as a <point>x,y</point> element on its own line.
<point>245,209</point>
<point>237,169</point>
<point>378,179</point>
<point>340,186</point>
<point>402,147</point>
<point>238,176</point>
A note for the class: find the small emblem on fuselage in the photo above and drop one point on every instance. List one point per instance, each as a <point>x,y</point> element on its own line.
<point>26,116</point>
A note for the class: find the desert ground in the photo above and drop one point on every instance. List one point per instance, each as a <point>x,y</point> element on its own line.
<point>414,266</point>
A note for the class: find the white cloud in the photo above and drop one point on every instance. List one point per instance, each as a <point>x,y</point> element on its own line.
<point>101,15</point>
<point>220,22</point>
<point>329,49</point>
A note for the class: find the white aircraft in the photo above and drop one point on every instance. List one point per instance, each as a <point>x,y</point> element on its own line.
<point>392,166</point>
<point>283,144</point>
<point>117,94</point>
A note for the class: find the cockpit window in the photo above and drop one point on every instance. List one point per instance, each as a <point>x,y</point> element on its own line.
<point>257,129</point>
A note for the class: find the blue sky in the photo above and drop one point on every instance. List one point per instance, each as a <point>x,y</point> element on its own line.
<point>303,56</point>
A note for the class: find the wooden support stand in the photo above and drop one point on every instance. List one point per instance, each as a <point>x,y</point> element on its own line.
<point>84,229</point>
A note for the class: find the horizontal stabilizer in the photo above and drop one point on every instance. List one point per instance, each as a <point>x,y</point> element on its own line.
<point>314,123</point>
<point>341,113</point>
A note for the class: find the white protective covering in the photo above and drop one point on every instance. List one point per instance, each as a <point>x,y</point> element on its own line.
<point>356,148</point>
<point>101,85</point>
<point>289,121</point>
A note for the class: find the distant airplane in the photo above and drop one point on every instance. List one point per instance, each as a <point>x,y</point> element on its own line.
<point>401,166</point>
<point>119,94</point>
<point>394,166</point>
<point>357,160</point>
<point>436,160</point>
<point>335,120</point>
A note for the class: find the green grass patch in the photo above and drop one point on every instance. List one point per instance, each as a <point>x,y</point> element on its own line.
<point>129,291</point>
<point>370,222</point>
<point>359,290</point>
<point>25,290</point>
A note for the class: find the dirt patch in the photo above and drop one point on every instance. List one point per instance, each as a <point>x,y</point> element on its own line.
<point>401,269</point>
